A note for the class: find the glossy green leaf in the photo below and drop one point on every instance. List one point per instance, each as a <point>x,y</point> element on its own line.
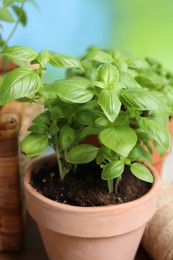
<point>66,137</point>
<point>159,148</point>
<point>160,116</point>
<point>142,99</point>
<point>20,53</point>
<point>108,74</point>
<point>64,61</point>
<point>140,154</point>
<point>150,80</point>
<point>88,131</point>
<point>69,91</point>
<point>120,139</point>
<point>85,117</point>
<point>137,63</point>
<point>110,103</point>
<point>34,144</point>
<point>99,56</point>
<point>102,121</point>
<point>98,84</point>
<point>38,128</point>
<point>43,58</point>
<point>18,83</point>
<point>5,15</point>
<point>109,154</point>
<point>43,118</point>
<point>112,170</point>
<point>20,14</point>
<point>122,120</point>
<point>61,110</point>
<point>141,172</point>
<point>53,129</point>
<point>128,81</point>
<point>156,131</point>
<point>83,153</point>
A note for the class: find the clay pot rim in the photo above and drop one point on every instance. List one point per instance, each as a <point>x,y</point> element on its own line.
<point>66,207</point>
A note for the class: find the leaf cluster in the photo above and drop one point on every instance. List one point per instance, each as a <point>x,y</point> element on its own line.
<point>115,98</point>
<point>13,13</point>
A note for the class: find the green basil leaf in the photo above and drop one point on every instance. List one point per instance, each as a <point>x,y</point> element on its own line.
<point>20,53</point>
<point>100,158</point>
<point>109,154</point>
<point>43,58</point>
<point>108,74</point>
<point>43,118</point>
<point>159,148</point>
<point>61,110</point>
<point>102,121</point>
<point>69,91</point>
<point>85,117</point>
<point>88,131</point>
<point>156,131</point>
<point>99,56</point>
<point>110,103</point>
<point>18,83</point>
<point>141,172</point>
<point>83,153</point>
<point>120,139</point>
<point>64,61</point>
<point>137,63</point>
<point>128,81</point>
<point>160,116</point>
<point>66,137</point>
<point>53,129</point>
<point>98,84</point>
<point>38,128</point>
<point>142,135</point>
<point>112,170</point>
<point>34,144</point>
<point>122,120</point>
<point>140,154</point>
<point>142,99</point>
<point>6,16</point>
<point>20,14</point>
<point>150,80</point>
<point>9,2</point>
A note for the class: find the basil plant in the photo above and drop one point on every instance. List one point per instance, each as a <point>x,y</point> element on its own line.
<point>119,100</point>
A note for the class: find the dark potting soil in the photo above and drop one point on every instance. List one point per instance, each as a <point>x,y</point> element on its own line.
<point>85,187</point>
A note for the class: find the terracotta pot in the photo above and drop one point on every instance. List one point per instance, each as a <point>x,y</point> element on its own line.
<point>87,233</point>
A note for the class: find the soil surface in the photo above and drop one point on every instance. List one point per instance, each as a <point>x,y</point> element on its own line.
<point>85,187</point>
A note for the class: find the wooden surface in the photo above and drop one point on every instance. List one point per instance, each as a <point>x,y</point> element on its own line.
<point>34,249</point>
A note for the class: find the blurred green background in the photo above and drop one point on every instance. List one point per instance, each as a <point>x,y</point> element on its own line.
<point>142,28</point>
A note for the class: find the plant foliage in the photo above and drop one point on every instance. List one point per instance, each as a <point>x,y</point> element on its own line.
<point>122,101</point>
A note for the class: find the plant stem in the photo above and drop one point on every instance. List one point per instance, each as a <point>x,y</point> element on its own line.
<point>14,28</point>
<point>58,155</point>
<point>110,185</point>
<point>117,183</point>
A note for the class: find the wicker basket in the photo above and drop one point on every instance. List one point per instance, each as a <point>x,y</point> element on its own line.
<point>14,120</point>
<point>11,220</point>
